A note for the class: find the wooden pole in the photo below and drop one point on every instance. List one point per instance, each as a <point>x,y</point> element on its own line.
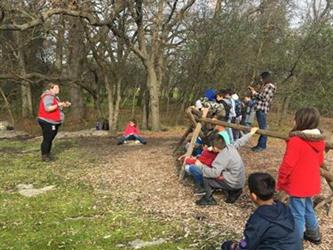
<point>189,151</point>
<point>329,145</point>
<point>181,141</point>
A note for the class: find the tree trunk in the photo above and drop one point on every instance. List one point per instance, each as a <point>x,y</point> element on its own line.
<point>116,105</point>
<point>284,109</point>
<point>60,44</point>
<point>109,90</point>
<point>144,102</point>
<point>26,100</point>
<point>27,110</point>
<point>154,96</point>
<point>8,107</point>
<point>76,57</point>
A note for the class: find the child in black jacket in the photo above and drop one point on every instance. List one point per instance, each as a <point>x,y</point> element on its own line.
<point>272,225</point>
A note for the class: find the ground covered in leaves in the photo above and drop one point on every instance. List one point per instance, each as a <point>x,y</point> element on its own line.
<point>109,196</point>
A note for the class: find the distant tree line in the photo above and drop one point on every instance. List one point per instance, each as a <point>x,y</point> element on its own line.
<point>107,53</point>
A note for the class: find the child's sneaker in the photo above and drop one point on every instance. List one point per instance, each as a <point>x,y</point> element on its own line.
<point>137,142</point>
<point>313,236</point>
<point>206,201</point>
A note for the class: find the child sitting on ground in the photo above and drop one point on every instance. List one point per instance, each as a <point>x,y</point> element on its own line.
<point>131,133</point>
<point>227,172</point>
<point>272,225</point>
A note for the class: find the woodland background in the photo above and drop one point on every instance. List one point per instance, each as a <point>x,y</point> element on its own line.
<point>152,58</point>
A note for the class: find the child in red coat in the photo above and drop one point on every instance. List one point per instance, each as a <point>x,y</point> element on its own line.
<point>131,133</point>
<point>299,172</point>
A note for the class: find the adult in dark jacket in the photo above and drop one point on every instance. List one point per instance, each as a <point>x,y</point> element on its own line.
<point>271,226</point>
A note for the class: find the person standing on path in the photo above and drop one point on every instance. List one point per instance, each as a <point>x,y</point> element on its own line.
<point>263,100</point>
<point>50,117</point>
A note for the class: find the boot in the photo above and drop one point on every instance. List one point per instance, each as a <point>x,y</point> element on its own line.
<point>204,201</point>
<point>233,195</point>
<point>46,158</point>
<point>313,236</point>
<point>51,157</point>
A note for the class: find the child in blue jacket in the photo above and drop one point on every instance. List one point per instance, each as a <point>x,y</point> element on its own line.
<point>272,225</point>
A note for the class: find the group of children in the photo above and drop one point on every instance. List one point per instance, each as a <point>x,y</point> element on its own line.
<point>273,225</point>
<point>227,106</point>
<point>217,165</point>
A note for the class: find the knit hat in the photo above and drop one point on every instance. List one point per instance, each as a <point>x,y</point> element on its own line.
<point>210,94</point>
<point>225,136</point>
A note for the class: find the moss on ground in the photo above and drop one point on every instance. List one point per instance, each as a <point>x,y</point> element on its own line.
<point>72,216</point>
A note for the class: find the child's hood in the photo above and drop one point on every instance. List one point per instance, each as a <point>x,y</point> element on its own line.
<point>279,214</point>
<point>313,137</point>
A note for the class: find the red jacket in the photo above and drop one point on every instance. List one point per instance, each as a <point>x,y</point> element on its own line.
<point>207,157</point>
<point>129,130</point>
<point>53,115</point>
<point>299,172</point>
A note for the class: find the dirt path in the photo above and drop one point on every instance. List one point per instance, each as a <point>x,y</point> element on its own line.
<point>145,177</point>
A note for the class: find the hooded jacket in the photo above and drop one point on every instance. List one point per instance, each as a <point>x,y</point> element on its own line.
<point>299,172</point>
<point>271,227</point>
<point>131,130</point>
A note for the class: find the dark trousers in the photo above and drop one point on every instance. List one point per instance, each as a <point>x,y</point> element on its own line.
<point>210,184</point>
<point>131,138</point>
<point>49,133</point>
<point>261,118</point>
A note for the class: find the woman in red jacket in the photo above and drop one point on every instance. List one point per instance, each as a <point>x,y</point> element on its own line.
<point>299,172</point>
<point>50,117</point>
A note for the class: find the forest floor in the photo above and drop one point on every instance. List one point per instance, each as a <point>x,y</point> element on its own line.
<point>118,197</point>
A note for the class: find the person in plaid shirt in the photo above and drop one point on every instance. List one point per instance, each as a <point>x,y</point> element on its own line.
<point>263,100</point>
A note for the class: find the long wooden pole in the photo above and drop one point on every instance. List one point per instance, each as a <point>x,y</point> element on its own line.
<point>329,145</point>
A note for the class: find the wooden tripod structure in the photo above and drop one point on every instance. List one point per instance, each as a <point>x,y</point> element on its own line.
<point>197,119</point>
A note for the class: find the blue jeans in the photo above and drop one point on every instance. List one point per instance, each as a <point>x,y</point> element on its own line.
<point>304,214</point>
<point>261,118</point>
<point>196,172</point>
<point>132,137</point>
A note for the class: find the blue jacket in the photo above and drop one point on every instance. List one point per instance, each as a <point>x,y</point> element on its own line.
<point>271,227</point>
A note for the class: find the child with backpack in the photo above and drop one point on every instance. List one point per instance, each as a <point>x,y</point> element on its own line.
<point>299,172</point>
<point>248,112</point>
<point>131,133</point>
<point>272,225</point>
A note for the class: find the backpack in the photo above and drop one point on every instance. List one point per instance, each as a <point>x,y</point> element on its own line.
<point>238,108</point>
<point>227,108</point>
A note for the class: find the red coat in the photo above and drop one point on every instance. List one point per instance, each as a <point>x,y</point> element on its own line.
<point>53,115</point>
<point>207,157</point>
<point>130,130</point>
<point>299,172</point>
